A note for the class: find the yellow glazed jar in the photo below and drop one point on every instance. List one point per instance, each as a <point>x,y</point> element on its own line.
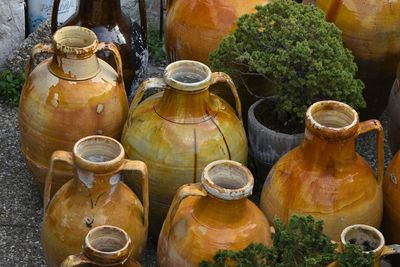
<point>179,131</point>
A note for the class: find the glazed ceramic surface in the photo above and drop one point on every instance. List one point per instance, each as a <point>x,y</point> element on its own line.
<point>371,30</point>
<point>193,29</point>
<point>68,96</point>
<point>211,216</point>
<point>104,246</point>
<point>106,19</point>
<point>391,193</point>
<point>324,176</point>
<point>179,131</point>
<point>94,197</point>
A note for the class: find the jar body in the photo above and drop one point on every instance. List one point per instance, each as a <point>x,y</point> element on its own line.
<point>341,191</point>
<point>371,30</point>
<point>209,21</point>
<point>177,152</point>
<point>394,117</point>
<point>54,113</point>
<point>391,218</point>
<point>198,231</point>
<point>74,211</point>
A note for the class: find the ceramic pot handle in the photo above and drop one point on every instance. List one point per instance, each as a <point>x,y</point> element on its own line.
<point>54,16</point>
<point>375,125</point>
<point>76,260</point>
<point>39,48</point>
<point>57,156</point>
<point>117,57</point>
<point>137,165</point>
<point>390,249</point>
<point>218,77</point>
<point>183,192</point>
<point>143,87</point>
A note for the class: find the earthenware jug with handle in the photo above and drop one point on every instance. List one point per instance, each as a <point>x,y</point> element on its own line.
<point>179,131</point>
<point>104,246</point>
<point>71,95</point>
<point>325,177</point>
<point>94,197</point>
<point>210,216</point>
<point>107,20</point>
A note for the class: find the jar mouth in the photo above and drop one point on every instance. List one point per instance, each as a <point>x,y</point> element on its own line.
<point>97,150</point>
<point>75,42</point>
<point>107,243</point>
<point>367,236</point>
<point>332,119</point>
<point>187,75</point>
<point>228,180</point>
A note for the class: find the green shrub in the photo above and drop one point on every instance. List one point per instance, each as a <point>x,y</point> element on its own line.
<point>300,243</point>
<point>292,46</point>
<point>11,86</point>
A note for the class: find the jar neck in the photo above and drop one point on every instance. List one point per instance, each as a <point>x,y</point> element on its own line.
<point>328,153</point>
<point>74,68</point>
<point>218,212</point>
<point>186,107</point>
<point>99,11</point>
<point>97,184</point>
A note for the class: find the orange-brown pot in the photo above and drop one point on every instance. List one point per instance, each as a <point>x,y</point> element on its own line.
<point>178,132</point>
<point>193,29</point>
<point>67,97</point>
<point>371,30</point>
<point>104,246</point>
<point>95,197</point>
<point>324,176</point>
<point>391,197</point>
<point>212,216</point>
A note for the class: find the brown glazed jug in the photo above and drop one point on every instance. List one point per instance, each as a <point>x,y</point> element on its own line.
<point>371,30</point>
<point>394,115</point>
<point>104,246</point>
<point>193,29</point>
<point>212,216</point>
<point>179,131</point>
<point>324,176</point>
<point>68,96</point>
<point>106,19</point>
<point>94,197</point>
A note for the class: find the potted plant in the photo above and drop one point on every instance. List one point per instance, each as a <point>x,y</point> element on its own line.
<point>302,59</point>
<point>300,243</point>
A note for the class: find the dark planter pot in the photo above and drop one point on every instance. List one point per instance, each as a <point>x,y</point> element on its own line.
<point>266,146</point>
<point>394,117</point>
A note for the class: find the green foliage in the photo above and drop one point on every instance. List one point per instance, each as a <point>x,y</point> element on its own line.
<point>300,243</point>
<point>155,45</point>
<point>11,86</point>
<point>292,46</point>
<point>353,255</point>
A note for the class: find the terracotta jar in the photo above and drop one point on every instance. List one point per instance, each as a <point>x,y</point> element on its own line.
<point>68,96</point>
<point>104,246</point>
<point>324,176</point>
<point>94,197</point>
<point>106,19</point>
<point>188,22</point>
<point>211,216</point>
<point>179,131</point>
<point>391,196</point>
<point>371,30</point>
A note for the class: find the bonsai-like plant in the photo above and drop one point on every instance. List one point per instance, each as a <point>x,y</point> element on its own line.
<point>11,86</point>
<point>300,243</point>
<point>298,52</point>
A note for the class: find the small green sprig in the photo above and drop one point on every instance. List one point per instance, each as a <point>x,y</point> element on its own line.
<point>11,86</point>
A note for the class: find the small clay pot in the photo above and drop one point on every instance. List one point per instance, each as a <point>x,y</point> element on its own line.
<point>104,246</point>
